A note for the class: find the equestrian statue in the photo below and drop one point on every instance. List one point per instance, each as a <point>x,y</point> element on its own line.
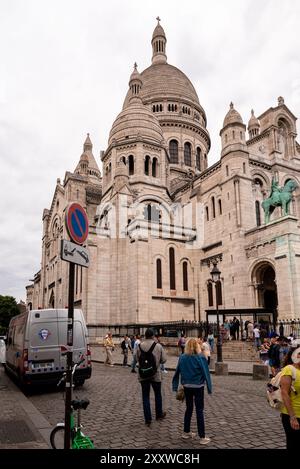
<point>279,197</point>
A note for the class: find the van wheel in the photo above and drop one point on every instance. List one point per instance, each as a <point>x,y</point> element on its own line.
<point>79,382</point>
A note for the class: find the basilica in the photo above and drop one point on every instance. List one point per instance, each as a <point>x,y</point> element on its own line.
<point>160,218</point>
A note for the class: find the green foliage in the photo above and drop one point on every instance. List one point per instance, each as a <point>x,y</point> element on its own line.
<point>8,309</point>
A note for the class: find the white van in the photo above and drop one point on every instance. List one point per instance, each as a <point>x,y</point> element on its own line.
<point>36,342</point>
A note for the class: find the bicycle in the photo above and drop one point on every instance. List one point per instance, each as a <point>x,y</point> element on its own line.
<point>78,439</point>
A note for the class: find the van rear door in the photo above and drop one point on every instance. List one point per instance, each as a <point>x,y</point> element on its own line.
<point>44,350</point>
<point>79,339</point>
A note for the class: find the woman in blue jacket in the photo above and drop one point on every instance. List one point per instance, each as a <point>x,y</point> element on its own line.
<point>193,370</point>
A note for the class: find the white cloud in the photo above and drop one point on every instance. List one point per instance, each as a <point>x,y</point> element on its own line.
<point>64,71</point>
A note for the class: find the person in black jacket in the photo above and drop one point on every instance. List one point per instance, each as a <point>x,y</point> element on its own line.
<point>125,346</point>
<point>274,355</point>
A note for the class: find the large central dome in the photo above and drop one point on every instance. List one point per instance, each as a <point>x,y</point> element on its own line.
<point>165,81</point>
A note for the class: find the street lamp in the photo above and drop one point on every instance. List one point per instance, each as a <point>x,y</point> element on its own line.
<point>216,276</point>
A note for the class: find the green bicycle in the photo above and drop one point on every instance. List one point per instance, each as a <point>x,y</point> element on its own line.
<point>78,439</point>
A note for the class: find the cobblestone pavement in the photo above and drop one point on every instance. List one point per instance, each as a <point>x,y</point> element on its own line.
<point>98,354</point>
<point>236,414</point>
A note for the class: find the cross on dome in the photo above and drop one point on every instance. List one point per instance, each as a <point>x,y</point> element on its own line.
<point>158,19</point>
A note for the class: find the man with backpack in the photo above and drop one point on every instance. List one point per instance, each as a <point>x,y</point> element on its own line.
<point>150,355</point>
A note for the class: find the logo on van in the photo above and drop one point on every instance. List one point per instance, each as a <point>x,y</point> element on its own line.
<point>44,334</point>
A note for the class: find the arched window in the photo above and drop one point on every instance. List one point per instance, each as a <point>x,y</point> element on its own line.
<point>213,207</point>
<point>173,150</point>
<point>131,165</point>
<point>198,158</point>
<point>220,206</point>
<point>257,213</point>
<point>147,162</point>
<point>185,276</point>
<point>158,274</point>
<point>149,212</point>
<point>207,213</point>
<point>154,167</point>
<point>172,269</point>
<point>210,294</point>
<point>219,292</point>
<point>187,154</point>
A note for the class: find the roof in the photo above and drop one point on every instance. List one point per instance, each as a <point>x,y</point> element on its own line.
<point>232,117</point>
<point>165,81</point>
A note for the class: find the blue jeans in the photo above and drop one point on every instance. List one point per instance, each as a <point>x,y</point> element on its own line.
<point>134,362</point>
<point>146,399</point>
<point>198,395</point>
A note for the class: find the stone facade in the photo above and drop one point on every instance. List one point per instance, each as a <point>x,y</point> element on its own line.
<point>160,216</point>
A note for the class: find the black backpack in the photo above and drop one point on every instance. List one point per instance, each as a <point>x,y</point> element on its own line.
<point>147,363</point>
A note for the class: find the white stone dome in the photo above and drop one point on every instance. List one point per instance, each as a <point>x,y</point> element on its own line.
<point>164,81</point>
<point>232,117</point>
<point>136,121</point>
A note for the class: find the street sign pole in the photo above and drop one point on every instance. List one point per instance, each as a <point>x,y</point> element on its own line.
<point>69,378</point>
<point>77,225</point>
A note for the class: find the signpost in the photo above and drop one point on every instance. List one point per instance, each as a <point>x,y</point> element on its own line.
<point>72,251</point>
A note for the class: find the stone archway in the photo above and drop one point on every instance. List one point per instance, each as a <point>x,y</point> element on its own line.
<point>264,280</point>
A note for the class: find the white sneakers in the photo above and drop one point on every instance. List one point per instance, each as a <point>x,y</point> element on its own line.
<point>186,436</point>
<point>204,441</point>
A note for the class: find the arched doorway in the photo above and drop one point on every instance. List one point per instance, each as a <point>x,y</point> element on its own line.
<point>264,281</point>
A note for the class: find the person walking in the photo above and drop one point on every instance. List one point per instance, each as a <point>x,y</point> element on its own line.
<point>211,341</point>
<point>290,391</point>
<point>109,348</point>
<point>257,341</point>
<point>205,348</point>
<point>192,369</point>
<point>154,381</point>
<point>274,355</point>
<point>181,343</point>
<point>125,346</point>
<point>162,365</point>
<point>134,360</point>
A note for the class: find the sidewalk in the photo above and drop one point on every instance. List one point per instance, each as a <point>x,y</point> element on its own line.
<point>234,367</point>
<point>22,426</point>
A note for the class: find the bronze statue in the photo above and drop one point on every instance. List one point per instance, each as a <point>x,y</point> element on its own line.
<point>279,196</point>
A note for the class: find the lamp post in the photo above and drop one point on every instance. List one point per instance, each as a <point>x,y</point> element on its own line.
<point>216,276</point>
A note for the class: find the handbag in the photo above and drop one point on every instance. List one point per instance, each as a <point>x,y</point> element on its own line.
<point>180,394</point>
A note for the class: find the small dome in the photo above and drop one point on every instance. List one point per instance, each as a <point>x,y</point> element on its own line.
<point>253,121</point>
<point>136,121</point>
<point>158,31</point>
<point>232,117</point>
<point>135,75</point>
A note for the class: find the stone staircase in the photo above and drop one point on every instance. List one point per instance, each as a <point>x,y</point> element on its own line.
<point>238,351</point>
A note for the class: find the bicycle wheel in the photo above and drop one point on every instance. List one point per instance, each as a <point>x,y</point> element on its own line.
<point>57,437</point>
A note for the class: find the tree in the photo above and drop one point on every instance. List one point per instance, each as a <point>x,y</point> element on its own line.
<point>8,309</point>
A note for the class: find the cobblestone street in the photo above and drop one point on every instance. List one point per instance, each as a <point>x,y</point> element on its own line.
<point>236,414</point>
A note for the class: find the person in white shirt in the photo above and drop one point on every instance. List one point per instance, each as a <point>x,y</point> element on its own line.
<point>256,332</point>
<point>134,360</point>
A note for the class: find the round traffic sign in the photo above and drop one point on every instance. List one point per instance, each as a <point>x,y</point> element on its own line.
<point>77,223</point>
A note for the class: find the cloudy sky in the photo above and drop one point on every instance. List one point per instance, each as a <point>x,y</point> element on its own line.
<point>64,72</point>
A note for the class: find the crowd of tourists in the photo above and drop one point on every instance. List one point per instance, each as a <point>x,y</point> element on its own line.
<point>192,374</point>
